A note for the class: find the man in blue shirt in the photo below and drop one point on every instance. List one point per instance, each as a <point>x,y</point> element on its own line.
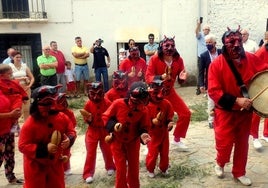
<point>150,48</point>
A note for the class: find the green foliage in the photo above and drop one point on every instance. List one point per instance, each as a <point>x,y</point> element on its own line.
<point>77,103</point>
<point>199,112</point>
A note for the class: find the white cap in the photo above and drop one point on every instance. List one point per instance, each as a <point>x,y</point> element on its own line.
<point>122,50</point>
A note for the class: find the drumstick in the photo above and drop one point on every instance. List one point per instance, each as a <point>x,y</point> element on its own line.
<point>257,95</point>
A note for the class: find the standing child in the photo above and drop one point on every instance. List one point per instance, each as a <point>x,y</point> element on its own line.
<point>41,147</point>
<point>70,81</point>
<point>62,106</point>
<point>96,132</point>
<point>128,119</point>
<point>122,55</point>
<point>161,114</point>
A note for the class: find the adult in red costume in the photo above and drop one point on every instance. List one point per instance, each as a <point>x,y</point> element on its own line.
<point>43,166</point>
<point>262,53</point>
<point>128,120</point>
<point>167,65</point>
<point>7,141</point>
<point>134,66</point>
<point>120,86</point>
<point>232,113</point>
<point>96,131</point>
<point>161,115</point>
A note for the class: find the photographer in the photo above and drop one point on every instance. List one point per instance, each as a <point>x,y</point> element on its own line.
<point>99,64</point>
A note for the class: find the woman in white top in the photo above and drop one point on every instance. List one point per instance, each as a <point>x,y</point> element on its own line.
<point>22,73</point>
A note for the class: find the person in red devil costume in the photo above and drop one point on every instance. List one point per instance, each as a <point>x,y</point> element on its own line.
<point>127,120</point>
<point>161,114</point>
<point>167,65</point>
<point>42,159</point>
<point>262,53</point>
<point>233,112</point>
<point>120,86</point>
<point>96,131</point>
<point>62,106</point>
<point>134,66</point>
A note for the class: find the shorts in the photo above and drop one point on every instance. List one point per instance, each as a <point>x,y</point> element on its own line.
<point>81,72</point>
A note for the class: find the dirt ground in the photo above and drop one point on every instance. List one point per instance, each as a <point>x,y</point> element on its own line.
<point>200,140</point>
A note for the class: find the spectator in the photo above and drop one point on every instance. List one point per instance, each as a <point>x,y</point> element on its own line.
<point>264,40</point>
<point>23,74</point>
<point>122,55</point>
<point>248,44</point>
<point>96,132</point>
<point>168,65</point>
<point>134,66</point>
<point>42,152</point>
<point>61,65</point>
<point>231,124</point>
<point>70,81</point>
<point>127,120</point>
<point>150,48</point>
<point>47,64</point>
<point>80,54</point>
<point>201,45</point>
<point>205,59</point>
<point>10,51</point>
<point>131,43</point>
<point>100,65</point>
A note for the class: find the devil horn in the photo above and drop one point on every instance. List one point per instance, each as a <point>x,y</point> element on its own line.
<point>228,28</point>
<point>238,29</point>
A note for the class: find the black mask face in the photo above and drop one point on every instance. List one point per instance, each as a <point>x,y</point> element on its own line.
<point>210,47</point>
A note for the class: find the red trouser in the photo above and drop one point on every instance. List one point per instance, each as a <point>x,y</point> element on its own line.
<point>254,131</point>
<point>92,138</point>
<point>232,130</point>
<point>159,144</point>
<point>126,157</point>
<point>183,112</point>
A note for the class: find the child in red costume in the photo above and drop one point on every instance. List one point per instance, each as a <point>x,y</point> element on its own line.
<point>128,120</point>
<point>167,65</point>
<point>161,114</point>
<point>12,90</point>
<point>62,106</point>
<point>233,112</point>
<point>43,166</point>
<point>120,86</point>
<point>96,132</point>
<point>134,66</point>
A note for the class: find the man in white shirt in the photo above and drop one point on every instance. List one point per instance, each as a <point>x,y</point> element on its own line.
<point>248,44</point>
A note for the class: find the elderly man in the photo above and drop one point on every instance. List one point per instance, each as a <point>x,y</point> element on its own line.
<point>248,44</point>
<point>201,45</point>
<point>47,64</point>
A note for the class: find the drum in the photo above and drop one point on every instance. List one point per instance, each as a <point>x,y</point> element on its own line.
<point>258,92</point>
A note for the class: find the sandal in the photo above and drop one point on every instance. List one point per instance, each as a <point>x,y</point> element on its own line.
<point>16,181</point>
<point>77,96</point>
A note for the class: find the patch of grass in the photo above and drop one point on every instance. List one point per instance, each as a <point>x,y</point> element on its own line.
<point>81,124</point>
<point>199,112</point>
<point>76,103</point>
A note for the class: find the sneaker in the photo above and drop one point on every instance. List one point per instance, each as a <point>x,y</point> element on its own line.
<point>198,92</point>
<point>151,174</point>
<point>257,144</point>
<point>265,138</point>
<point>181,146</point>
<point>244,180</point>
<point>15,128</point>
<point>110,172</point>
<point>145,151</point>
<point>219,171</point>
<point>16,181</point>
<point>211,125</point>
<point>89,179</point>
<point>68,172</point>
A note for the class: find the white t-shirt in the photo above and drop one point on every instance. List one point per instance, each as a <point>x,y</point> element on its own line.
<point>19,72</point>
<point>69,73</point>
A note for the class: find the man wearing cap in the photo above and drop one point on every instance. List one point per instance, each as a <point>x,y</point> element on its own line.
<point>100,65</point>
<point>150,48</point>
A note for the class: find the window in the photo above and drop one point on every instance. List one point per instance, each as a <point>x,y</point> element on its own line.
<point>15,8</point>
